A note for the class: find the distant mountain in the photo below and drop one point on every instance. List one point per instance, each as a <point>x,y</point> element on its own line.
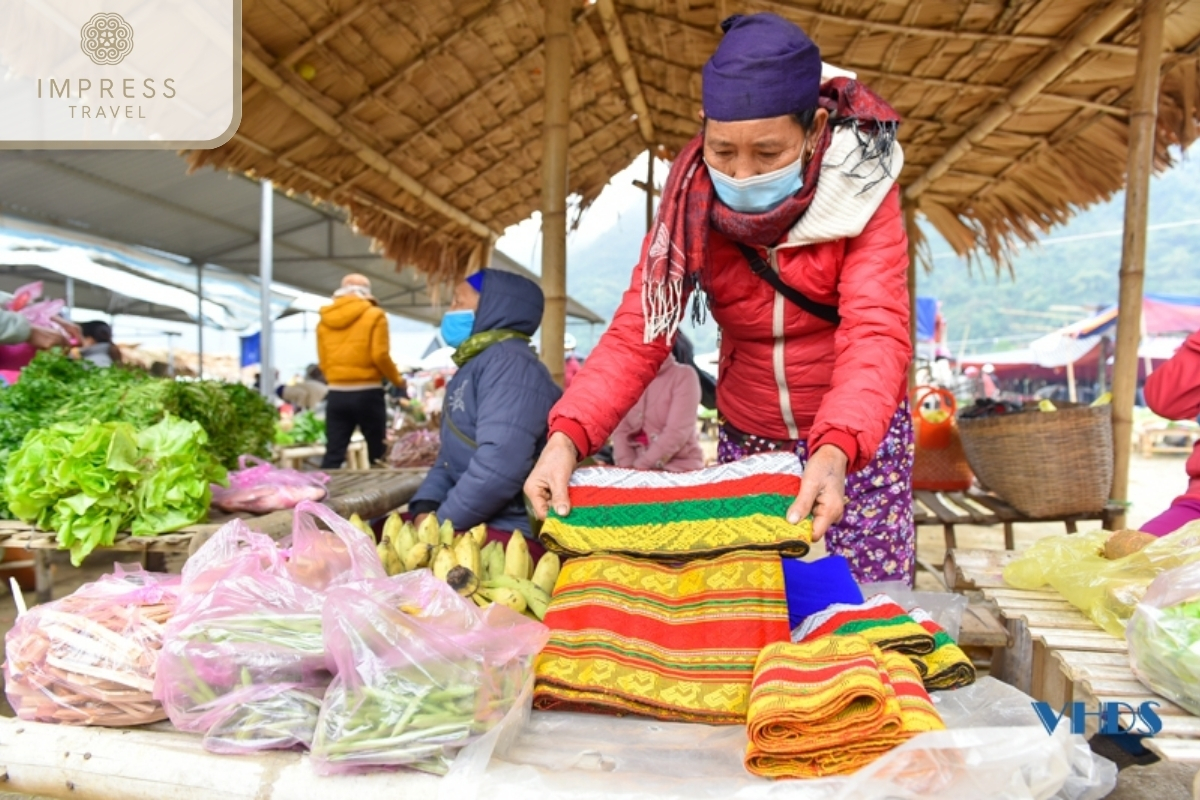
<point>1077,265</point>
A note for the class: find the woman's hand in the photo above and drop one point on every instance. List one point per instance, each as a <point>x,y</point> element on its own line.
<point>419,518</point>
<point>547,484</point>
<point>45,338</point>
<point>822,490</point>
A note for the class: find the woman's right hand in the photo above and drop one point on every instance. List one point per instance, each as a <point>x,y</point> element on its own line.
<point>547,484</point>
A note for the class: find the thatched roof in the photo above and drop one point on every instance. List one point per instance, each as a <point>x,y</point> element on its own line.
<point>424,118</point>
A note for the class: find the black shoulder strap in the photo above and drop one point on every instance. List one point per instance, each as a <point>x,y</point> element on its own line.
<point>760,267</point>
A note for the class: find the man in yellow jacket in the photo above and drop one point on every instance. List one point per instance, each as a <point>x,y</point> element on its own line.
<point>354,353</point>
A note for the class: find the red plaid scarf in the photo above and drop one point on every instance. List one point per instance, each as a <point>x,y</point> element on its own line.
<point>678,247</point>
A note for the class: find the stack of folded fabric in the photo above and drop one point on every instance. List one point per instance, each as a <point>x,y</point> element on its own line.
<point>631,636</point>
<point>675,516</point>
<point>947,667</point>
<point>879,620</point>
<point>831,706</point>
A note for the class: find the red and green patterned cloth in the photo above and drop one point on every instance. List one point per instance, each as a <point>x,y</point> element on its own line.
<point>677,516</point>
<point>673,642</point>
<point>947,667</point>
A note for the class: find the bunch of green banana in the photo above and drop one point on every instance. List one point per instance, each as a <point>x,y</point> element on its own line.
<point>510,578</point>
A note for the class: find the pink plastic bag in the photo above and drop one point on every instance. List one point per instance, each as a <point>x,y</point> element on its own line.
<point>17,356</point>
<point>244,660</point>
<point>260,487</point>
<point>91,657</point>
<point>421,673</point>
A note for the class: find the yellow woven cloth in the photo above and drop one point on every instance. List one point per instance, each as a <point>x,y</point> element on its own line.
<point>831,706</point>
<point>947,667</point>
<point>675,642</point>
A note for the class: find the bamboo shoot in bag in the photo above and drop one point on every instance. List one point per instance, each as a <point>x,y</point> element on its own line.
<point>421,673</point>
<point>244,661</point>
<point>91,658</point>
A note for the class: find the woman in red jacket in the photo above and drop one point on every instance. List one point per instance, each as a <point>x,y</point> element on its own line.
<point>782,219</point>
<point>1173,391</point>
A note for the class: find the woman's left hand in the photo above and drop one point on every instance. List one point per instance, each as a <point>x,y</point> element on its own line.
<point>822,490</point>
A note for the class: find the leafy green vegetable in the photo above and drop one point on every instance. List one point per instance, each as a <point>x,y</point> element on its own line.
<point>55,389</point>
<point>306,429</point>
<point>87,482</point>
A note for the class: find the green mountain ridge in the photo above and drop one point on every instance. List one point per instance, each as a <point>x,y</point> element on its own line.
<point>1077,264</point>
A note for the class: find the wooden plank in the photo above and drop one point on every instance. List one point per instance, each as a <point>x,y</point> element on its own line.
<point>1179,750</point>
<point>980,628</point>
<point>1014,664</point>
<point>1079,640</point>
<point>991,592</point>
<point>65,761</point>
<point>1006,604</point>
<point>1051,683</point>
<point>1081,658</point>
<point>961,502</point>
<point>1066,620</point>
<point>1179,726</point>
<point>944,514</point>
<point>966,568</point>
<point>1003,511</point>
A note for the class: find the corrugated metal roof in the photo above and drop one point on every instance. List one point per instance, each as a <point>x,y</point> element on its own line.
<point>146,198</point>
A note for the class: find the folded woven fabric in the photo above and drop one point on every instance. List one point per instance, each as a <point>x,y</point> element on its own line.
<point>733,507</point>
<point>832,706</point>
<point>631,636</point>
<point>879,620</point>
<point>947,667</point>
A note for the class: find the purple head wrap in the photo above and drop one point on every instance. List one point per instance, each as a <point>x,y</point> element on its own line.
<point>764,67</point>
<point>476,281</point>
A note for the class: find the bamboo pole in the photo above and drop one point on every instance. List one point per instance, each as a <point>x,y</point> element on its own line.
<point>1072,392</point>
<point>555,139</point>
<point>629,77</point>
<point>1104,23</point>
<point>910,229</point>
<point>1133,244</point>
<point>649,189</point>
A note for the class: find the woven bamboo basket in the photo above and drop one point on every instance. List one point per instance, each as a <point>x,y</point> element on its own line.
<point>1044,464</point>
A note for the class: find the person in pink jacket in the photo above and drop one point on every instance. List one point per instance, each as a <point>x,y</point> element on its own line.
<point>660,431</point>
<point>1173,391</point>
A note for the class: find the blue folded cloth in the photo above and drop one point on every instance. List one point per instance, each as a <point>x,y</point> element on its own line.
<point>813,586</point>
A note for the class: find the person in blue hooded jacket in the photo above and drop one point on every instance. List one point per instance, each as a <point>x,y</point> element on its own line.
<point>496,406</point>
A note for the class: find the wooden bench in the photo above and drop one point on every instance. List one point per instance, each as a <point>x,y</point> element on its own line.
<point>1059,656</point>
<point>977,507</point>
<point>294,457</point>
<point>1152,439</point>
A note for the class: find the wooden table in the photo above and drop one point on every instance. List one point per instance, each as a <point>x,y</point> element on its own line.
<point>1060,656</point>
<point>1152,439</point>
<point>977,507</point>
<point>368,493</point>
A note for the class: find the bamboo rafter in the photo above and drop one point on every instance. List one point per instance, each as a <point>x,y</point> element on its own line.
<point>629,76</point>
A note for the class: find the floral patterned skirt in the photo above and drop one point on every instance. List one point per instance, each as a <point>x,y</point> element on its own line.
<point>876,534</point>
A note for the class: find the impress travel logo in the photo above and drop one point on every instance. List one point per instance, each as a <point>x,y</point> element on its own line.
<point>128,74</point>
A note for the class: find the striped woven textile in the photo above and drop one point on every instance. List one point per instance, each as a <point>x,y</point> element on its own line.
<point>831,706</point>
<point>733,507</point>
<point>631,636</point>
<point>880,620</point>
<point>947,667</point>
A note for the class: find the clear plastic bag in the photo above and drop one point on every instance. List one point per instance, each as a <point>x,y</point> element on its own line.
<point>245,657</point>
<point>1107,591</point>
<point>91,657</point>
<point>421,674</point>
<point>1164,637</point>
<point>994,748</point>
<point>259,487</point>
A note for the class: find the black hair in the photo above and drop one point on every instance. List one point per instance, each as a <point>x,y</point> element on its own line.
<point>806,118</point>
<point>97,331</point>
<point>682,349</point>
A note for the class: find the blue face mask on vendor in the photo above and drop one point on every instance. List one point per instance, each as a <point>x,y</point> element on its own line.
<point>758,193</point>
<point>457,326</point>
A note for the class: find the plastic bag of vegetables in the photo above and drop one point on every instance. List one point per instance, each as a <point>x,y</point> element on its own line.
<point>91,657</point>
<point>260,487</point>
<point>244,661</point>
<point>421,673</point>
<point>1164,637</point>
<point>1106,590</point>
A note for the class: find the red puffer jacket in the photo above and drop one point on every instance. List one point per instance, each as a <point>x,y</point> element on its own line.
<point>1173,391</point>
<point>784,373</point>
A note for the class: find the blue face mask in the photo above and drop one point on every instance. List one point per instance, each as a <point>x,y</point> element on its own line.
<point>758,193</point>
<point>456,326</point>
